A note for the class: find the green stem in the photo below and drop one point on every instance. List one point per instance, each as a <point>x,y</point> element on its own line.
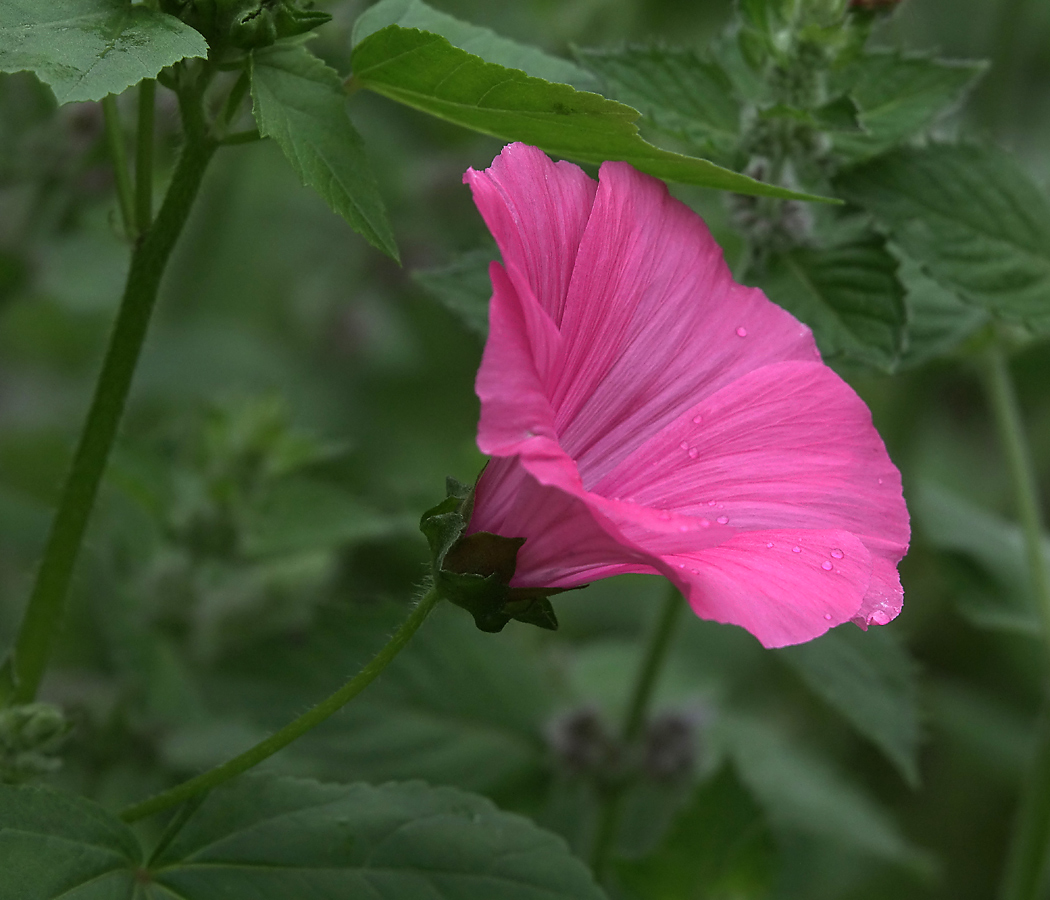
<point>1028,863</point>
<point>294,730</point>
<point>637,712</point>
<point>21,673</point>
<point>115,138</point>
<point>144,156</point>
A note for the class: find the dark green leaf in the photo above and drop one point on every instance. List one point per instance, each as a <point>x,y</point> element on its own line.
<point>869,679</point>
<point>300,103</point>
<point>425,71</point>
<point>971,217</point>
<point>269,837</point>
<point>57,845</point>
<point>474,39</point>
<point>899,96</point>
<point>849,295</point>
<point>463,287</point>
<point>86,49</point>
<point>719,848</point>
<point>680,92</point>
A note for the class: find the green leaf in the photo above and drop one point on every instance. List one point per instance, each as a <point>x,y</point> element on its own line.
<point>938,321</point>
<point>971,217</point>
<point>849,295</point>
<point>679,91</point>
<point>463,287</point>
<point>473,39</point>
<point>58,845</point>
<point>869,679</point>
<point>426,72</point>
<point>86,49</point>
<point>899,96</point>
<point>719,848</point>
<point>270,837</point>
<point>300,103</point>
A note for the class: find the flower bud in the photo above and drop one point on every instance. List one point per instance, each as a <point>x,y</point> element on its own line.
<point>30,735</point>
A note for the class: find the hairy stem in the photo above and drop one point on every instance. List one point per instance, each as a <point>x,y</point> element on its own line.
<point>637,712</point>
<point>21,673</point>
<point>294,730</point>
<point>144,156</point>
<point>119,156</point>
<point>1028,864</point>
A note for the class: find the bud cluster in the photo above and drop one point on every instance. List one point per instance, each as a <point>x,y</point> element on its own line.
<point>245,24</point>
<point>30,736</point>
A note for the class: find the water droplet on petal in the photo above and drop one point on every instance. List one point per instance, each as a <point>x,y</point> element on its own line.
<point>741,332</point>
<point>684,445</point>
<point>827,616</point>
<point>837,554</point>
<point>881,617</point>
<point>723,520</point>
<point>796,549</point>
<point>697,420</point>
<point>769,546</point>
<point>826,566</point>
<point>693,453</point>
<point>880,481</point>
<point>710,502</point>
<point>705,523</point>
<point>683,528</point>
<point>681,565</point>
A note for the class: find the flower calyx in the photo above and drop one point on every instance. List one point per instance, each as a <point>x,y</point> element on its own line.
<point>474,571</point>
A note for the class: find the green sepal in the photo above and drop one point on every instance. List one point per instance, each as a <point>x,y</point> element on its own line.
<point>474,571</point>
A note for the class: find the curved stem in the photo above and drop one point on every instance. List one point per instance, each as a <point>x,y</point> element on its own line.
<point>21,673</point>
<point>1028,864</point>
<point>119,156</point>
<point>637,713</point>
<point>294,730</point>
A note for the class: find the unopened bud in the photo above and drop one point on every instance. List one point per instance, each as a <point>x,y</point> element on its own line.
<point>583,742</point>
<point>670,746</point>
<point>30,735</point>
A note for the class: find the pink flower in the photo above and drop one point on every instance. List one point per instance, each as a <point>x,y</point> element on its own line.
<point>646,413</point>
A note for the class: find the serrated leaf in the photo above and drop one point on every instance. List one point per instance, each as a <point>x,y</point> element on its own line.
<point>58,845</point>
<point>849,295</point>
<point>719,847</point>
<point>300,103</point>
<point>472,38</point>
<point>869,679</point>
<point>426,72</point>
<point>272,837</point>
<point>899,96</point>
<point>463,287</point>
<point>86,49</point>
<point>971,217</point>
<point>680,92</point>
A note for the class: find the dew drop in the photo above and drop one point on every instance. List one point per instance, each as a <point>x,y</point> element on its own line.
<point>881,617</point>
<point>796,549</point>
<point>705,523</point>
<point>681,565</point>
<point>769,546</point>
<point>880,481</point>
<point>710,502</point>
<point>827,616</point>
<point>741,332</point>
<point>684,445</point>
<point>693,453</point>
<point>683,528</point>
<point>826,566</point>
<point>723,520</point>
<point>697,420</point>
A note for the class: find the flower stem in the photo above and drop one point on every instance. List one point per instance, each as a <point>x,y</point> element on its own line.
<point>119,156</point>
<point>637,712</point>
<point>21,673</point>
<point>1028,864</point>
<point>294,730</point>
<point>144,156</point>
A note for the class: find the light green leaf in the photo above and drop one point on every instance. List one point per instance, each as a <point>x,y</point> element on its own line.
<point>971,217</point>
<point>425,71</point>
<point>463,287</point>
<point>473,39</point>
<point>899,96</point>
<point>718,848</point>
<point>849,295</point>
<point>58,845</point>
<point>676,89</point>
<point>86,49</point>
<point>869,679</point>
<point>300,103</point>
<point>269,837</point>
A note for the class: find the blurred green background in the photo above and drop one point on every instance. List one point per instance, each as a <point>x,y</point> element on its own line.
<point>299,403</point>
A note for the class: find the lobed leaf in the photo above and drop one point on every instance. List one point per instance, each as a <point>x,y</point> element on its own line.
<point>426,72</point>
<point>463,287</point>
<point>299,102</point>
<point>86,49</point>
<point>971,217</point>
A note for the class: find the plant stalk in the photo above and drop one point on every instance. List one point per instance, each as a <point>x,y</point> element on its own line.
<point>21,673</point>
<point>119,157</point>
<point>294,730</point>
